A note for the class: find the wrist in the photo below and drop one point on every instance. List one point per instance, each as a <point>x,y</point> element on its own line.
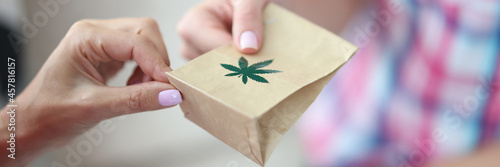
<point>18,142</point>
<point>9,156</point>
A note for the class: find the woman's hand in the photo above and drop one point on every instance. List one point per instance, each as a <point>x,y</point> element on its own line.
<point>214,23</point>
<point>69,94</point>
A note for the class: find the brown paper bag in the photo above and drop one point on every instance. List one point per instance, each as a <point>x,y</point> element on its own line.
<point>250,101</point>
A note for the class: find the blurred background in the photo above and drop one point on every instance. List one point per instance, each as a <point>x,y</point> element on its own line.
<point>159,138</point>
<point>422,67</point>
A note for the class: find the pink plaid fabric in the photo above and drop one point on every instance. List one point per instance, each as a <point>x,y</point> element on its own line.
<point>425,84</point>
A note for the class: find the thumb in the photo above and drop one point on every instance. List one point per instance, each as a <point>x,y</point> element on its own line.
<point>247,24</point>
<point>146,96</point>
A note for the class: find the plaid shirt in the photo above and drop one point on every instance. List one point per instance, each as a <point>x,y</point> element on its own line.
<point>425,84</point>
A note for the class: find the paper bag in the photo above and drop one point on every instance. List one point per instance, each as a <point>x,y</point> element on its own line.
<point>250,101</point>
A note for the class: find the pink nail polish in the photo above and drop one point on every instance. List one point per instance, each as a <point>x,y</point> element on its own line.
<point>248,40</point>
<point>170,97</point>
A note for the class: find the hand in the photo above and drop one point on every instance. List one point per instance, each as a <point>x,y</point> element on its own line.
<point>69,94</point>
<point>214,23</point>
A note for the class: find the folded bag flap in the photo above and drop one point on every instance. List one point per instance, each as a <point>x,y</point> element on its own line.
<point>301,51</point>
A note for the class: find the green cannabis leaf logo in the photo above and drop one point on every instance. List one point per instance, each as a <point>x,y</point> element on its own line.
<point>245,71</point>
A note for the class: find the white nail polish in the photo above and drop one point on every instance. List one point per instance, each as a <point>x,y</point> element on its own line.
<point>248,40</point>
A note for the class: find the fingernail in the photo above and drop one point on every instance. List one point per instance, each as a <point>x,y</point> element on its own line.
<point>170,97</point>
<point>248,40</point>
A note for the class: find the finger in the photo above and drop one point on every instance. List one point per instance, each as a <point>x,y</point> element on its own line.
<point>136,77</point>
<point>109,69</point>
<point>204,29</point>
<point>189,52</point>
<point>116,45</point>
<point>146,78</point>
<point>152,31</point>
<point>146,96</point>
<point>247,25</point>
<point>147,27</point>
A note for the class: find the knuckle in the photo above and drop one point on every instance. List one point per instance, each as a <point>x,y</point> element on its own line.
<point>183,50</point>
<point>186,53</point>
<point>189,23</point>
<point>82,24</point>
<point>247,14</point>
<point>157,70</point>
<point>145,41</point>
<point>148,22</point>
<point>135,101</point>
<point>183,30</point>
<point>80,32</point>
